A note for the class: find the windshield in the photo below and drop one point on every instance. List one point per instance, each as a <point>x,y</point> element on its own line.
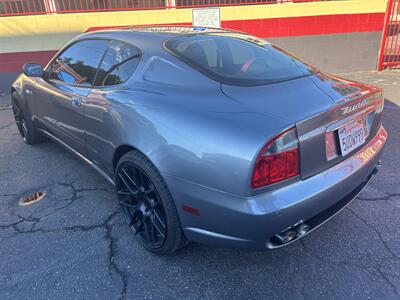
<point>238,60</point>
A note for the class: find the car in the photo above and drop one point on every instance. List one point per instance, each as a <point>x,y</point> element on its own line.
<point>208,134</point>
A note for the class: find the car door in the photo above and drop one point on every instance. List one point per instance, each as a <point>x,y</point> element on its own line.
<point>62,92</point>
<point>109,91</point>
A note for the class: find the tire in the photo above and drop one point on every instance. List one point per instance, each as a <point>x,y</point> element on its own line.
<point>25,125</point>
<point>147,204</point>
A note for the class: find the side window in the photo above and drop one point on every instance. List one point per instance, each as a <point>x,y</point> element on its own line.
<point>78,64</point>
<point>118,64</point>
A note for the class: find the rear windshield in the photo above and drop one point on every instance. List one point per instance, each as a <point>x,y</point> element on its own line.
<point>238,60</point>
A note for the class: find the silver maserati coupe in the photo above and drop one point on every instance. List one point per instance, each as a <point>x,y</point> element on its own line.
<point>208,135</point>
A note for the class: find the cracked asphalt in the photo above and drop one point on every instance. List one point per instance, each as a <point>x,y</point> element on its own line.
<point>74,245</point>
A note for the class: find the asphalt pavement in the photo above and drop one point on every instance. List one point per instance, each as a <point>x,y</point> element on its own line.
<point>74,244</point>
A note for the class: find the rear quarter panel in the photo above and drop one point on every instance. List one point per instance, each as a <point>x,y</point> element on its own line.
<point>196,134</point>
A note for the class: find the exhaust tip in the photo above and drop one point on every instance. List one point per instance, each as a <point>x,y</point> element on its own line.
<point>289,235</point>
<point>286,236</point>
<point>302,229</point>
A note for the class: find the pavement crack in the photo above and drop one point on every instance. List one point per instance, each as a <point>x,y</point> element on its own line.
<point>111,258</point>
<point>11,225</point>
<point>7,125</point>
<point>8,195</point>
<point>384,277</point>
<point>68,201</point>
<point>84,228</point>
<point>81,190</point>
<point>373,270</point>
<point>106,225</point>
<point>6,107</point>
<point>14,225</point>
<point>35,220</point>
<point>386,246</point>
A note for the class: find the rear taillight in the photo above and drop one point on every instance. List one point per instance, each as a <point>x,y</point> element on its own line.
<point>278,160</point>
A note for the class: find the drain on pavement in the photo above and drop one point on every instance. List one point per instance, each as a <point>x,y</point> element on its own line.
<point>32,198</point>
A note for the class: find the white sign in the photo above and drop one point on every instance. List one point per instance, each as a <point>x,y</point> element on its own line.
<point>207,17</point>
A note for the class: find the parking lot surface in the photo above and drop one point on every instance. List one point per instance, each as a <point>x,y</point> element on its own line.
<point>74,244</point>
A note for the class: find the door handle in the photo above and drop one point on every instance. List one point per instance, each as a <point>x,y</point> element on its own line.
<point>76,101</point>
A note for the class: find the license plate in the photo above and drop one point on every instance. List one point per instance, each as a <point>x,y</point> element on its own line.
<point>351,136</point>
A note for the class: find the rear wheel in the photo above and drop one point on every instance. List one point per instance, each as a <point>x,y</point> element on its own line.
<point>26,128</point>
<point>147,205</point>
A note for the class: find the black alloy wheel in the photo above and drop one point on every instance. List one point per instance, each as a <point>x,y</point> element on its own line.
<point>141,205</point>
<point>147,204</point>
<point>20,120</point>
<point>24,122</point>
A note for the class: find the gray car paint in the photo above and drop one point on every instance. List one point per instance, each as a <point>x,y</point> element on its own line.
<point>204,137</point>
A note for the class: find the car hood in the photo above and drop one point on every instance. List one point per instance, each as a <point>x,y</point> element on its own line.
<point>297,99</point>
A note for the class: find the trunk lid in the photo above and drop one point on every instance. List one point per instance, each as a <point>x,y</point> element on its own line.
<point>292,100</point>
<point>318,106</point>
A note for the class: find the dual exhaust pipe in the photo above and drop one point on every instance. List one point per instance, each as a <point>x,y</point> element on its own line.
<point>294,232</point>
<point>300,228</point>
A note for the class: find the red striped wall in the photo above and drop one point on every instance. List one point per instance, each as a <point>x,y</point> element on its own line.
<point>275,27</point>
<point>312,25</point>
<point>13,62</point>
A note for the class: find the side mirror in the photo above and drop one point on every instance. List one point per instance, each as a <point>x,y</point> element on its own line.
<point>33,70</point>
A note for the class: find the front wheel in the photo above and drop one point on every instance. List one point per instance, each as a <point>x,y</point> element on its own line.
<point>147,204</point>
<point>26,128</point>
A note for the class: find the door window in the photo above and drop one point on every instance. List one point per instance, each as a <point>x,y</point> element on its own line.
<point>78,64</point>
<point>118,64</point>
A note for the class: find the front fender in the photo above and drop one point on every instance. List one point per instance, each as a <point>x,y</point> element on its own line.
<point>17,86</point>
<point>18,89</point>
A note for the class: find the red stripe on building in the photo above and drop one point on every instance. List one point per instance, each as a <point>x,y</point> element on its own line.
<point>13,62</point>
<point>310,25</point>
<point>265,28</point>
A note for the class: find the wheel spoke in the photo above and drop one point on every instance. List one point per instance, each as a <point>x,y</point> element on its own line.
<point>133,218</point>
<point>122,192</point>
<point>156,226</point>
<point>127,185</point>
<point>131,181</point>
<point>153,203</point>
<point>140,227</point>
<point>139,179</point>
<point>149,190</point>
<point>127,204</point>
<point>153,229</point>
<point>147,230</point>
<point>159,219</point>
<point>19,124</point>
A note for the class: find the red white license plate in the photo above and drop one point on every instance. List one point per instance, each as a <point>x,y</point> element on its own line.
<point>351,136</point>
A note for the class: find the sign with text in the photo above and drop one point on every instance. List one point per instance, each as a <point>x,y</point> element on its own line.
<point>207,17</point>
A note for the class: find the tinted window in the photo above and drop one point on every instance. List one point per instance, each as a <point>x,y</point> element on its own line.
<point>237,58</point>
<point>118,64</point>
<point>78,64</point>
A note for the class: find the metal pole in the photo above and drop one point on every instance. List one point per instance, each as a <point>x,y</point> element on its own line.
<point>384,34</point>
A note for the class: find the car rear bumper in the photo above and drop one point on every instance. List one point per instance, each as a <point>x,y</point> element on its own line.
<point>253,222</point>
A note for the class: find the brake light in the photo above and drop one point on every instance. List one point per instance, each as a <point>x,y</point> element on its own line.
<point>278,160</point>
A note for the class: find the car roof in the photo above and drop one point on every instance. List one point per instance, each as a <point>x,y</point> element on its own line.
<point>158,32</point>
<point>167,30</point>
<point>145,36</point>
